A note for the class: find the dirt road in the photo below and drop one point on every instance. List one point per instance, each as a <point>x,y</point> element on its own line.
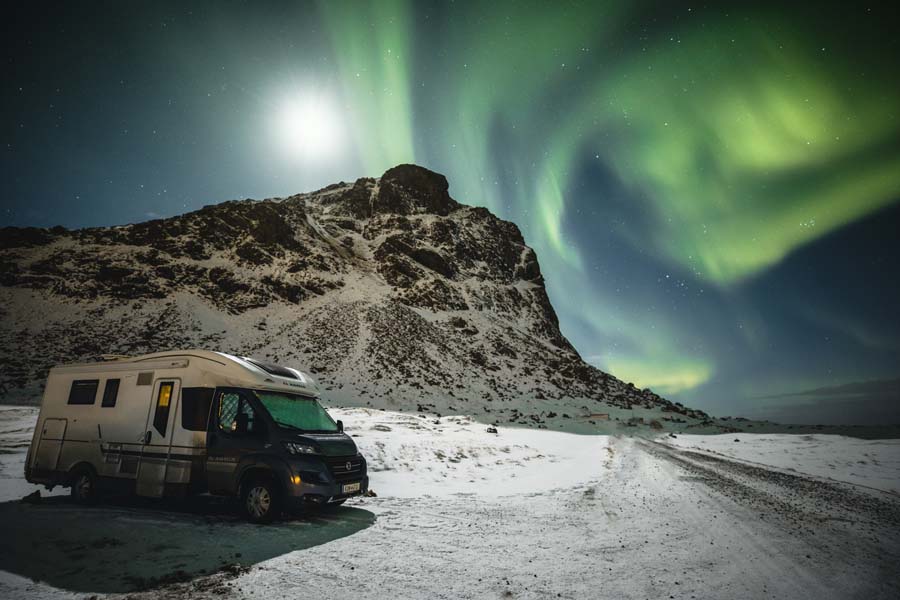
<point>836,540</point>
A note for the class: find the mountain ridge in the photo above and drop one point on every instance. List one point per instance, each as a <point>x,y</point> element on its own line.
<point>393,293</point>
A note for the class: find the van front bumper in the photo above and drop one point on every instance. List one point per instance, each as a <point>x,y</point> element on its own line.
<point>305,494</point>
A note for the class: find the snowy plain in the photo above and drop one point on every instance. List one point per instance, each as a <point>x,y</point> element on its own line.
<point>872,463</point>
<point>464,513</point>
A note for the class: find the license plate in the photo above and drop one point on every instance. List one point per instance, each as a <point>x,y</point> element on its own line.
<point>350,487</point>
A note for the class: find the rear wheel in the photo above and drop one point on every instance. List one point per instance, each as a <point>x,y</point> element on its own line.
<point>261,500</point>
<point>84,486</point>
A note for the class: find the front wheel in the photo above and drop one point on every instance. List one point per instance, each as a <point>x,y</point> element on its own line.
<point>261,501</point>
<point>84,487</point>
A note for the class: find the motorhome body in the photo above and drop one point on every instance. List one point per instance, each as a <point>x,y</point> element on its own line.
<point>194,421</point>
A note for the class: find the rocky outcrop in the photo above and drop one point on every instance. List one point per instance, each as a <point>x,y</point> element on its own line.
<point>392,292</point>
<point>410,189</point>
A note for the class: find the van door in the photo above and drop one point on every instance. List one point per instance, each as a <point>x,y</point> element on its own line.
<point>157,441</point>
<point>46,456</point>
<point>236,432</point>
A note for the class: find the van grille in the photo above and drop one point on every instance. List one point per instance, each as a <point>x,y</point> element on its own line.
<point>337,465</point>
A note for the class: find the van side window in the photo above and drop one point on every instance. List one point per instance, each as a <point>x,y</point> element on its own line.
<point>195,403</point>
<point>83,391</point>
<point>110,393</point>
<point>163,400</point>
<point>235,415</point>
<point>229,403</point>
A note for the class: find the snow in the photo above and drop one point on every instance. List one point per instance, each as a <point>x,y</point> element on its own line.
<point>870,463</point>
<point>413,455</point>
<point>464,513</point>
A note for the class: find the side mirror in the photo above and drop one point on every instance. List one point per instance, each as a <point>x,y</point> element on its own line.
<point>340,425</point>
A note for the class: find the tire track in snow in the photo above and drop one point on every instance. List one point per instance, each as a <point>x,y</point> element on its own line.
<point>847,533</point>
<point>796,495</point>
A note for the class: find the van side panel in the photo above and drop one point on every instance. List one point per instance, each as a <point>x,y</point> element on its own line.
<point>43,463</point>
<point>80,444</point>
<point>30,475</point>
<point>123,427</point>
<point>187,457</point>
<point>108,438</point>
<point>46,455</point>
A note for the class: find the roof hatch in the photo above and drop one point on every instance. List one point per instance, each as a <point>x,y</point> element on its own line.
<point>271,368</point>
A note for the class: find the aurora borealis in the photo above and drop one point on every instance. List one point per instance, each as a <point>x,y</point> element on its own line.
<point>711,189</point>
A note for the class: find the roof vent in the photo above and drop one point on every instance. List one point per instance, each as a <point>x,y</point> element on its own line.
<point>271,369</point>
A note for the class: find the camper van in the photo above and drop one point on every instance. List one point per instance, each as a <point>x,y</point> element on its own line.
<point>193,422</point>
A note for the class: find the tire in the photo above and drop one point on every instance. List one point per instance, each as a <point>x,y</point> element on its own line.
<point>84,486</point>
<point>261,500</point>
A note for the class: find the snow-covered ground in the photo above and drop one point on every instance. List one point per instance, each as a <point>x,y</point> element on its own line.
<point>413,454</point>
<point>463,513</point>
<point>872,463</point>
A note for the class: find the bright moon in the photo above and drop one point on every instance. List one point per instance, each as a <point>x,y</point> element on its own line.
<point>310,127</point>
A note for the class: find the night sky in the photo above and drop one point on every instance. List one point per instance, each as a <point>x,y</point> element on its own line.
<point>712,189</point>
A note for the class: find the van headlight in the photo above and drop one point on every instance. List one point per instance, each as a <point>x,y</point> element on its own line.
<point>293,448</point>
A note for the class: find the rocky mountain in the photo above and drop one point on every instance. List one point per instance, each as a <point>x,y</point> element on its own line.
<point>392,293</point>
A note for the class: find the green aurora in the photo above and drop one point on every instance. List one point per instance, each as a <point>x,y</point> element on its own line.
<point>744,136</point>
<point>712,190</point>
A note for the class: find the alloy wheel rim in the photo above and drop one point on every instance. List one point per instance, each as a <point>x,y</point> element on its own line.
<point>259,501</point>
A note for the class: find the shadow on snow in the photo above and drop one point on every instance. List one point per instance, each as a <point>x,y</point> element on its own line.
<point>136,544</point>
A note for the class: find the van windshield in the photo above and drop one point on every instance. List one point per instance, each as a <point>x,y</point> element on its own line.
<point>297,412</point>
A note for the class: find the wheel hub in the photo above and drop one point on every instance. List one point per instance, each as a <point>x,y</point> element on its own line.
<point>259,501</point>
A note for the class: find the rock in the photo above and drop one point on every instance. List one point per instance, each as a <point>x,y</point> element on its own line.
<point>492,430</point>
<point>24,237</point>
<point>407,189</point>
